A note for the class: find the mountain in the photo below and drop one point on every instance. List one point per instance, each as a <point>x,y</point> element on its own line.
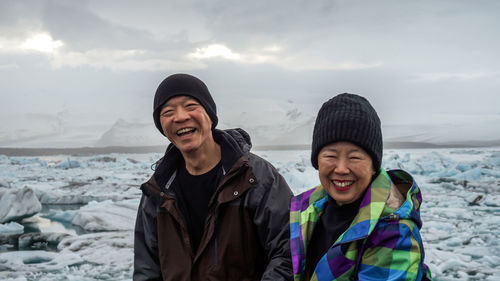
<point>124,133</point>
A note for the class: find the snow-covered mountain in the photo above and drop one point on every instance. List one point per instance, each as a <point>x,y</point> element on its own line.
<point>274,124</point>
<point>124,133</point>
<point>269,123</point>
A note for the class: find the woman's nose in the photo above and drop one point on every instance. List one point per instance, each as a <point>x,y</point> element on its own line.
<point>341,167</point>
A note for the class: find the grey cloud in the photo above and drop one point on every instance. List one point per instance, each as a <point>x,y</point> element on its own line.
<point>432,60</point>
<point>18,17</point>
<point>81,29</point>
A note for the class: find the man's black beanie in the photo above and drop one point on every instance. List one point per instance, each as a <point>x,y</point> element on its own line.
<point>183,85</point>
<point>348,117</point>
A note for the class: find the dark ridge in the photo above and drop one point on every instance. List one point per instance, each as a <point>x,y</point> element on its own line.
<point>283,147</point>
<point>469,144</point>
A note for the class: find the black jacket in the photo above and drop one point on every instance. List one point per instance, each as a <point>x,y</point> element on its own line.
<point>246,231</point>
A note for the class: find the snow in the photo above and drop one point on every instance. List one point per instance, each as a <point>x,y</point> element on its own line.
<point>93,240</point>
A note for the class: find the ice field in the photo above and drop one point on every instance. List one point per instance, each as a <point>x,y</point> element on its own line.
<point>72,218</point>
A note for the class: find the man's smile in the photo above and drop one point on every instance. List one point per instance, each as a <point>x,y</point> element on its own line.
<point>185,131</point>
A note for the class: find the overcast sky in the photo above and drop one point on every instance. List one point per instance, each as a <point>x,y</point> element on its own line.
<point>429,68</point>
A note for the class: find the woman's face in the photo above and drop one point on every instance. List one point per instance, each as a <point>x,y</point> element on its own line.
<point>345,171</point>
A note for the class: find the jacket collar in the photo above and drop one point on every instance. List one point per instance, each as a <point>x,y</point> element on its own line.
<point>370,210</point>
<point>308,206</point>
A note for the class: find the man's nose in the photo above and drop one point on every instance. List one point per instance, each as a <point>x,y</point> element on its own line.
<point>181,115</point>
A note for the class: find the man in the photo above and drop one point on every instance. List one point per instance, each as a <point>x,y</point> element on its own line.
<point>212,210</point>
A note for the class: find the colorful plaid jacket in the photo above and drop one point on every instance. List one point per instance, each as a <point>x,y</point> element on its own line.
<point>382,243</point>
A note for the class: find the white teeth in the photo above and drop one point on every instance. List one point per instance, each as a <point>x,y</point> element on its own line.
<point>184,130</point>
<point>343,184</point>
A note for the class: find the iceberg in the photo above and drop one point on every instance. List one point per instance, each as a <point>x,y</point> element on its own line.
<point>16,204</point>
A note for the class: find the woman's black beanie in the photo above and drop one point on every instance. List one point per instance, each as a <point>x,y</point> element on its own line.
<point>348,117</point>
<point>183,85</point>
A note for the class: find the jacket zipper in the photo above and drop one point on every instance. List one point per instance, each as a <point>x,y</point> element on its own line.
<point>243,166</point>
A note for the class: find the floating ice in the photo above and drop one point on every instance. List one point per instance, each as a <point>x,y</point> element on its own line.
<point>107,215</point>
<point>34,240</point>
<point>494,159</point>
<point>35,261</point>
<point>61,216</point>
<point>68,164</point>
<point>11,228</point>
<point>461,222</point>
<point>27,161</point>
<point>111,248</point>
<point>470,175</point>
<point>16,204</point>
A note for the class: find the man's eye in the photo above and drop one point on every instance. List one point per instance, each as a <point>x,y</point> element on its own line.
<point>166,113</point>
<point>192,106</point>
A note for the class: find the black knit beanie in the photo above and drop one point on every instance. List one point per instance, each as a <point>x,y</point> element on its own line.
<point>183,85</point>
<point>348,117</point>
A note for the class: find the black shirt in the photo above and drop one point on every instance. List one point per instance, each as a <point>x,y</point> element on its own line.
<point>194,193</point>
<point>332,223</point>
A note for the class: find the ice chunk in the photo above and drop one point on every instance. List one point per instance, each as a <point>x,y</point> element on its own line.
<point>11,228</point>
<point>107,215</point>
<point>18,204</point>
<point>111,248</point>
<point>68,164</point>
<point>492,201</point>
<point>33,240</point>
<point>61,197</point>
<point>445,173</point>
<point>494,159</point>
<point>470,175</point>
<point>61,216</point>
<point>27,161</point>
<point>35,261</point>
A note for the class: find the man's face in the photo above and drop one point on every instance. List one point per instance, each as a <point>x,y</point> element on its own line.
<point>345,171</point>
<point>186,124</point>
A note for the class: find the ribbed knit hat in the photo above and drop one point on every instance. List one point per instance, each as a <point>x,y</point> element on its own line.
<point>348,117</point>
<point>183,85</point>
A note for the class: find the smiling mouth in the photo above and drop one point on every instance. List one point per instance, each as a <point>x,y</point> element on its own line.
<point>342,185</point>
<point>185,131</point>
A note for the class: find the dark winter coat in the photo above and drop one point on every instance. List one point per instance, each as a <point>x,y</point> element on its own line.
<point>246,231</point>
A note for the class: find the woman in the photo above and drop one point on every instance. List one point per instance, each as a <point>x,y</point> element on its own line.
<point>362,222</point>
